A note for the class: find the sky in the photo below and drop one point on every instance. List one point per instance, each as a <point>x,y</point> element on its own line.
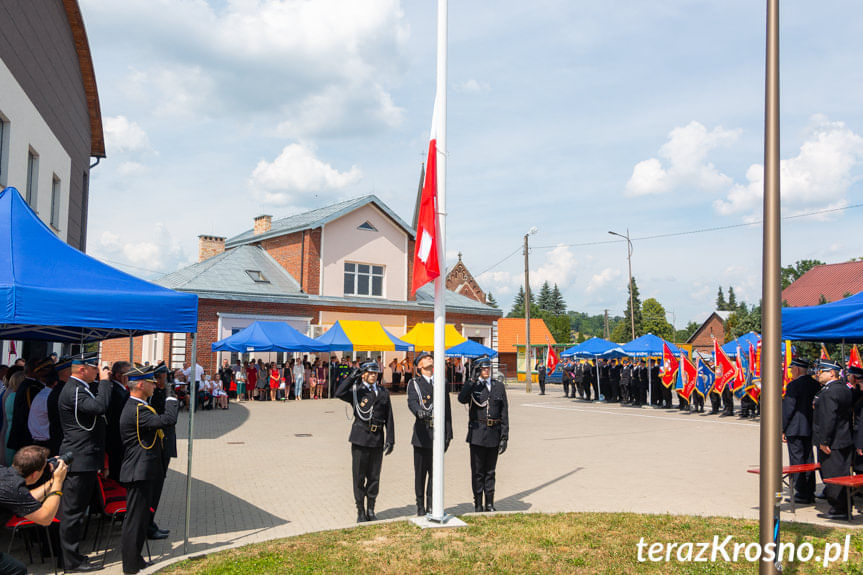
<point>574,118</point>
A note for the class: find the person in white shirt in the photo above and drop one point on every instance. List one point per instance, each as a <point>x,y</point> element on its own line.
<point>299,372</point>
<point>37,421</point>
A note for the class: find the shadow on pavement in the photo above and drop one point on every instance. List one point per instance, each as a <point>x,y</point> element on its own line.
<point>213,423</point>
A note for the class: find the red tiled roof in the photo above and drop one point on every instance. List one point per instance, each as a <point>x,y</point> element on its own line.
<point>833,281</point>
<point>510,332</point>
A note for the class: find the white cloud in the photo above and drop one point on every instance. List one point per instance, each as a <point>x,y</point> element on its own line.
<point>471,86</point>
<point>122,135</point>
<point>686,165</point>
<point>147,257</point>
<point>602,279</point>
<point>297,176</point>
<point>131,169</point>
<point>819,176</point>
<point>558,268</point>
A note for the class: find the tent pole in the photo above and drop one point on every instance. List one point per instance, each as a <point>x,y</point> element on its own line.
<point>843,351</point>
<point>193,374</point>
<point>649,382</point>
<point>132,350</point>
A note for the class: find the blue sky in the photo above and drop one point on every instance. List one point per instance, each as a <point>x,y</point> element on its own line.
<point>576,118</point>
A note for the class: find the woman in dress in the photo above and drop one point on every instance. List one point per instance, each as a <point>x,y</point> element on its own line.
<point>275,377</point>
<point>320,377</point>
<point>299,374</point>
<point>251,379</point>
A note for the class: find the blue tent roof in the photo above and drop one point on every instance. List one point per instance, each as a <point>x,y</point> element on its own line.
<point>614,353</point>
<point>470,348</point>
<point>648,345</point>
<point>593,347</point>
<point>836,321</point>
<point>51,291</point>
<point>268,336</point>
<point>743,342</point>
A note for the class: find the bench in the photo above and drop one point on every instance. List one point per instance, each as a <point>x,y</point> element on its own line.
<point>852,483</point>
<point>789,476</point>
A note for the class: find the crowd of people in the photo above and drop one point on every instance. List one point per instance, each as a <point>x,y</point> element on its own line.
<point>72,433</point>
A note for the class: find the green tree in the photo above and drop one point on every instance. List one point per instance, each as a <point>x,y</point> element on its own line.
<point>518,304</point>
<point>489,299</point>
<point>822,299</point>
<point>684,334</point>
<point>653,320</point>
<point>558,305</point>
<point>732,299</point>
<point>558,325</point>
<point>789,274</point>
<point>720,300</point>
<point>544,301</point>
<point>636,306</point>
<point>743,320</point>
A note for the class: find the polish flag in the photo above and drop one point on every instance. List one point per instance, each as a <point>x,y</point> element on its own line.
<point>426,266</point>
<point>551,360</point>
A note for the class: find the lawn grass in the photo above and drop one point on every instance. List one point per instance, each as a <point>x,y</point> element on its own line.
<point>516,543</point>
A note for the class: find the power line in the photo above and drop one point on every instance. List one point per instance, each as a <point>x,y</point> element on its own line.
<point>107,261</point>
<point>500,262</point>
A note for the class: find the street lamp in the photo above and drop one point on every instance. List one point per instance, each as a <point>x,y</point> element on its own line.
<point>527,351</point>
<point>629,259</point>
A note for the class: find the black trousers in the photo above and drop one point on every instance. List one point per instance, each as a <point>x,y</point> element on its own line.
<point>367,472</point>
<point>666,395</point>
<point>542,385</point>
<point>139,494</point>
<point>483,462</point>
<point>836,464</point>
<point>857,462</point>
<point>11,566</point>
<point>157,489</point>
<point>728,401</point>
<point>566,387</point>
<point>77,493</point>
<point>423,476</point>
<point>715,402</point>
<point>698,401</point>
<point>799,453</point>
<point>613,390</point>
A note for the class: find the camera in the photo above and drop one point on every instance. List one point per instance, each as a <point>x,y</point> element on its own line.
<point>66,458</point>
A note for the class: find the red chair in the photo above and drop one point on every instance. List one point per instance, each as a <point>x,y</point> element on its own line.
<point>17,524</point>
<point>113,507</point>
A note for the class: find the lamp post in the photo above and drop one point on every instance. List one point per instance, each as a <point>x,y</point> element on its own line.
<point>528,376</point>
<point>628,259</point>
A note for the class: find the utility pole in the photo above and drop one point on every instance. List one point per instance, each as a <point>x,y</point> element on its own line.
<point>528,375</point>
<point>629,260</point>
<point>605,324</point>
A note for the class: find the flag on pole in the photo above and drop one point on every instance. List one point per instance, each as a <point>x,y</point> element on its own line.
<point>753,382</point>
<point>689,375</point>
<point>669,366</point>
<point>757,359</point>
<point>706,377</point>
<point>551,360</point>
<point>725,370</point>
<point>741,376</point>
<point>426,265</point>
<point>855,361</point>
<point>824,355</point>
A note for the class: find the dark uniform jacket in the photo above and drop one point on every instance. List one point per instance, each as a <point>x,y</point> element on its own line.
<point>797,406</point>
<point>84,424</point>
<point>141,429</point>
<point>55,429</point>
<point>858,419</point>
<point>614,372</point>
<point>625,374</point>
<point>578,371</point>
<point>368,433</point>
<point>19,433</point>
<point>488,416</point>
<point>158,401</point>
<point>113,442</point>
<point>540,373</point>
<point>421,406</point>
<point>831,424</point>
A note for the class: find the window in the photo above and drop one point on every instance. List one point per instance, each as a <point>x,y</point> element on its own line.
<point>367,226</point>
<point>32,178</point>
<point>55,203</point>
<point>364,279</point>
<point>257,276</point>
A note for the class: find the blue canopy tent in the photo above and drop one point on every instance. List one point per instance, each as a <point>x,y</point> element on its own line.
<point>268,336</point>
<point>648,345</point>
<point>470,349</point>
<point>591,348</point>
<point>51,291</point>
<point>614,353</point>
<point>742,342</point>
<point>834,322</point>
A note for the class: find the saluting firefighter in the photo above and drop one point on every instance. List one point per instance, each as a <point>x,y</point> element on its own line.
<point>421,404</point>
<point>143,434</point>
<point>82,417</point>
<point>487,430</point>
<point>372,434</point>
<point>159,402</point>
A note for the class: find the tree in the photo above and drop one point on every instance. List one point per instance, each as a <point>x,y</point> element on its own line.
<point>732,299</point>
<point>720,300</point>
<point>636,306</point>
<point>558,325</point>
<point>822,299</point>
<point>544,300</point>
<point>742,321</point>
<point>683,335</point>
<point>790,274</point>
<point>489,299</point>
<point>558,305</point>
<point>518,304</point>
<point>653,320</point>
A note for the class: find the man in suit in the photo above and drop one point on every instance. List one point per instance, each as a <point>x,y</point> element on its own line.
<point>487,430</point>
<point>577,371</point>
<point>625,381</point>
<point>82,416</point>
<point>421,404</point>
<point>604,380</point>
<point>566,381</point>
<point>372,434</point>
<point>797,426</point>
<point>119,396</point>
<point>63,368</point>
<point>540,373</point>
<point>142,431</point>
<point>19,432</point>
<point>831,433</point>
<point>158,402</point>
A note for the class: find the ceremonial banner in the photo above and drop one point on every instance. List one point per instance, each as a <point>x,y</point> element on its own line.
<point>725,370</point>
<point>786,366</point>
<point>706,377</point>
<point>855,361</point>
<point>669,366</point>
<point>689,376</point>
<point>551,360</point>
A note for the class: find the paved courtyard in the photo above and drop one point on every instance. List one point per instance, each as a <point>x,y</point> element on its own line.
<point>267,470</point>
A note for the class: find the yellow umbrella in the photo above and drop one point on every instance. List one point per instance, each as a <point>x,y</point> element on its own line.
<point>422,336</point>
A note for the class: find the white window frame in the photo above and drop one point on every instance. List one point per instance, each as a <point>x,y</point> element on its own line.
<point>32,191</point>
<point>371,275</point>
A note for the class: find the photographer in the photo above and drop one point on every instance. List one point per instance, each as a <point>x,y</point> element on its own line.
<point>39,505</point>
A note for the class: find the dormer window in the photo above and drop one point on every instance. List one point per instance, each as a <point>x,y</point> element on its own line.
<point>367,226</point>
<point>257,276</point>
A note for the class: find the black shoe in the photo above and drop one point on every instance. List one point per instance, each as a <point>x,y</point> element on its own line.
<point>157,534</point>
<point>370,511</point>
<point>421,509</point>
<point>803,500</point>
<point>477,503</point>
<point>489,502</point>
<point>834,514</point>
<point>85,567</point>
<point>361,514</point>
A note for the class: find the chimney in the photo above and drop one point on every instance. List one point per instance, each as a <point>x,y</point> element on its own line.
<point>209,246</point>
<point>262,224</point>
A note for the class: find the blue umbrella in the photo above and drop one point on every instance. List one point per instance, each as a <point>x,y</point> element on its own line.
<point>470,349</point>
<point>593,347</point>
<point>743,342</point>
<point>648,345</point>
<point>614,353</point>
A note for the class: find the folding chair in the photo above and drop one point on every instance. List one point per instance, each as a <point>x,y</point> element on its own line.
<point>17,524</point>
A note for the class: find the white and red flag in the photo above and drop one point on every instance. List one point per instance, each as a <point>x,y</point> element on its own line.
<point>426,265</point>
<point>551,360</point>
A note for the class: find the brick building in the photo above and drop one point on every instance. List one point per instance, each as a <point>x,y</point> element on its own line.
<point>350,260</point>
<point>713,327</point>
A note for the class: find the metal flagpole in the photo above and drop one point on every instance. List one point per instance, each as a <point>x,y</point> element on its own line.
<point>439,403</point>
<point>770,478</point>
<point>192,392</point>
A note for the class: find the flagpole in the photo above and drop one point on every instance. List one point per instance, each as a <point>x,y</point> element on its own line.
<point>437,513</point>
